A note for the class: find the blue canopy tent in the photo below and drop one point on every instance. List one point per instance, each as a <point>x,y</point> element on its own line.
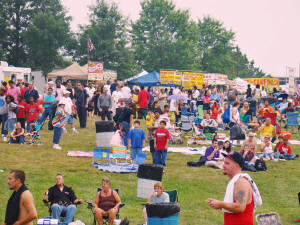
<point>150,79</point>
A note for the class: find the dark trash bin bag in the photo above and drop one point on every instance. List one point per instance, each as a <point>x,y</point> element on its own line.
<point>104,126</point>
<point>162,210</point>
<point>236,133</point>
<point>150,172</point>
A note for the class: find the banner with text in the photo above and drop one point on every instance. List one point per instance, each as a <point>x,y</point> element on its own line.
<point>95,71</point>
<point>267,83</point>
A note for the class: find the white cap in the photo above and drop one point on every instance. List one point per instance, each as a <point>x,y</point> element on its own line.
<point>61,102</point>
<point>51,82</point>
<point>66,92</point>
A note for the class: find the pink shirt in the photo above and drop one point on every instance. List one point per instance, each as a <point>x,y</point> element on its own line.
<point>15,92</point>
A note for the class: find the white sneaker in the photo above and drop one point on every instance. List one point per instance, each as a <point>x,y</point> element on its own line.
<point>65,130</point>
<point>56,147</point>
<point>75,131</point>
<point>5,139</point>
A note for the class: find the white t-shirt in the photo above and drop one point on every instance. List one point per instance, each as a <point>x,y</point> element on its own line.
<point>68,104</point>
<point>116,95</point>
<point>107,87</point>
<point>173,105</point>
<point>90,91</point>
<point>196,94</point>
<point>126,92</point>
<point>263,94</point>
<point>176,91</point>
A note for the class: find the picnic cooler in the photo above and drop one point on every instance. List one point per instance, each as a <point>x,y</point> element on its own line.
<point>148,175</point>
<point>163,213</point>
<point>47,221</point>
<point>104,133</point>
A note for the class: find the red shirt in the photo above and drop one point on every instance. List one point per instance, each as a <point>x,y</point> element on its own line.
<point>143,98</point>
<point>32,111</point>
<point>215,111</point>
<point>285,149</point>
<point>244,218</point>
<point>23,89</point>
<point>6,89</point>
<point>161,135</point>
<point>21,109</point>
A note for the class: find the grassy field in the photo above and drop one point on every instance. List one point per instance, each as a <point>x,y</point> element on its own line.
<point>279,185</point>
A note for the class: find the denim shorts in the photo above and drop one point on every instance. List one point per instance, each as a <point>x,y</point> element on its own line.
<point>9,125</point>
<point>70,119</point>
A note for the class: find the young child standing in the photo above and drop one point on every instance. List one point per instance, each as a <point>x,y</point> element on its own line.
<point>21,115</point>
<point>161,141</point>
<point>32,111</point>
<point>136,140</point>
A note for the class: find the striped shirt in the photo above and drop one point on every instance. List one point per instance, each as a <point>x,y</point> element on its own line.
<point>60,118</point>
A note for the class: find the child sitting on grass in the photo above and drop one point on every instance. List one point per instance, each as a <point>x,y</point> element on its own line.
<point>266,148</point>
<point>17,136</point>
<point>286,151</point>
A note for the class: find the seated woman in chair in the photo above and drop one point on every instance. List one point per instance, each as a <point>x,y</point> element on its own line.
<point>107,203</point>
<point>157,196</point>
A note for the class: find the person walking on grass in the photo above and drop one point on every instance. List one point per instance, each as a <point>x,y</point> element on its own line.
<point>161,142</point>
<point>49,101</point>
<point>20,209</point>
<point>242,195</point>
<point>59,121</point>
<point>136,140</point>
<point>69,110</point>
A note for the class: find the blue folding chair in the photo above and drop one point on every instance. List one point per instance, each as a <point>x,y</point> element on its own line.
<point>100,153</point>
<point>292,119</point>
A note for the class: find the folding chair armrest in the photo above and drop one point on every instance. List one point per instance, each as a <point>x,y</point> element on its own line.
<point>46,203</point>
<point>121,205</point>
<point>89,205</point>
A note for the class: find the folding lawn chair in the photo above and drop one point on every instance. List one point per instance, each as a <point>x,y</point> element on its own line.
<point>271,218</point>
<point>100,153</point>
<point>292,119</point>
<point>186,123</point>
<point>200,112</point>
<point>105,218</point>
<point>173,195</point>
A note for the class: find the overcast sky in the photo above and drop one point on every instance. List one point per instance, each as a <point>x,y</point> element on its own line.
<point>268,31</point>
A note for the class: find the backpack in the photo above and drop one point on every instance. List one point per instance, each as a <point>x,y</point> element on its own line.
<point>260,165</point>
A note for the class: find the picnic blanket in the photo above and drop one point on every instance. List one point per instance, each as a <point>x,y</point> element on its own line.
<point>183,150</point>
<point>80,154</point>
<point>117,168</point>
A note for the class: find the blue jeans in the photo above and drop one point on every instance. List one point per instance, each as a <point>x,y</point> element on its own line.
<point>160,157</point>
<point>126,127</point>
<point>3,119</point>
<point>289,157</point>
<point>19,140</point>
<point>134,151</point>
<point>57,135</point>
<point>69,211</point>
<point>47,112</point>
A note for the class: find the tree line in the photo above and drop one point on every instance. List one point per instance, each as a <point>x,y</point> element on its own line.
<point>37,34</point>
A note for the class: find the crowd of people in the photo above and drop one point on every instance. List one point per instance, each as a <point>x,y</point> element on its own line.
<point>255,112</point>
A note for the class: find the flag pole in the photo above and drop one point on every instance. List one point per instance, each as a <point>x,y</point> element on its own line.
<point>88,56</point>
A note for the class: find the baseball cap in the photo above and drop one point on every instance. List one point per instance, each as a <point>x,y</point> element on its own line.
<point>61,102</point>
<point>235,156</point>
<point>251,134</point>
<point>66,92</point>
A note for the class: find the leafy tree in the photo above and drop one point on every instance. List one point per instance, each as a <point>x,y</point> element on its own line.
<point>109,34</point>
<point>163,36</point>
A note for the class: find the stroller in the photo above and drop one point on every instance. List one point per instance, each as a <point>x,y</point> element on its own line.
<point>35,134</point>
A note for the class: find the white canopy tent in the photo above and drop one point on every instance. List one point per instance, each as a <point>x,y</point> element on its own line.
<point>144,72</point>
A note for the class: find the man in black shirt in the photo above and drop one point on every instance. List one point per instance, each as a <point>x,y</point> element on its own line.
<point>81,99</point>
<point>62,199</point>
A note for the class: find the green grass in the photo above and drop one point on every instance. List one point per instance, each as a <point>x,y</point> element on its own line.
<point>279,185</point>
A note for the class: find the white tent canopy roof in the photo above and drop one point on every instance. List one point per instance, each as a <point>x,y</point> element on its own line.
<point>144,72</point>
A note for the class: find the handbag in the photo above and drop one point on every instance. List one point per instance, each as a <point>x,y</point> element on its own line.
<point>236,133</point>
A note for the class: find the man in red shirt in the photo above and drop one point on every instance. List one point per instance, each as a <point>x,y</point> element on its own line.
<point>242,194</point>
<point>161,141</point>
<point>143,99</point>
<point>32,111</point>
<point>24,89</point>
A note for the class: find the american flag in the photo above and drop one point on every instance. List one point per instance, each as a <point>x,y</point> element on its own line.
<point>91,45</point>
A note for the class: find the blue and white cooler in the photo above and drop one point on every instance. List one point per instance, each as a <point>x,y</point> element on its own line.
<point>148,175</point>
<point>47,221</point>
<point>104,133</point>
<point>163,213</point>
